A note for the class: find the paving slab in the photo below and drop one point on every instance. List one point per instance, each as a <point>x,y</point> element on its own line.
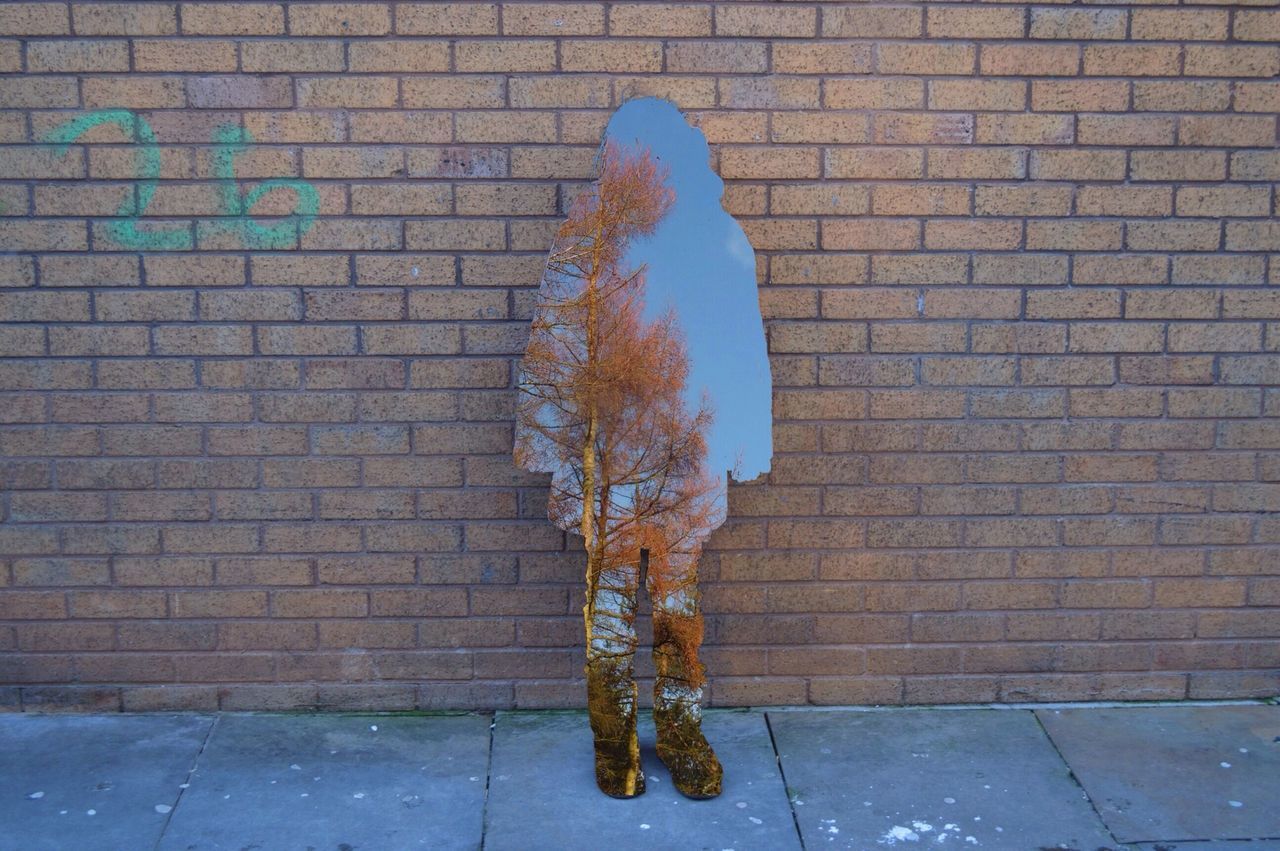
<point>939,778</point>
<point>543,795</point>
<point>1168,773</point>
<point>92,781</point>
<point>336,782</point>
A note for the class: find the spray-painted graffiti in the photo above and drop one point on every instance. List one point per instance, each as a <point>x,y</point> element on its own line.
<point>229,142</point>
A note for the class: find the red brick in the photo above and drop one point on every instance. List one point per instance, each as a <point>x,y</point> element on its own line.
<point>339,19</point>
<point>898,248</point>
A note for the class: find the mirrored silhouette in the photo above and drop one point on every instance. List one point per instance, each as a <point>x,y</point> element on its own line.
<point>644,384</point>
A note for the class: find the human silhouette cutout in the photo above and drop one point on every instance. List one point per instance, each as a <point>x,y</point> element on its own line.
<point>644,384</point>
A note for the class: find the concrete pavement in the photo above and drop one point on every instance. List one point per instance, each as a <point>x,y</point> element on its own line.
<point>1155,777</point>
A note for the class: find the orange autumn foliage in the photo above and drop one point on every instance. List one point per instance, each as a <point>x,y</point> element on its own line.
<point>602,402</point>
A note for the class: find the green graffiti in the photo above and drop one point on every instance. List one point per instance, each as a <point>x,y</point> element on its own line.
<point>229,142</point>
<point>147,167</point>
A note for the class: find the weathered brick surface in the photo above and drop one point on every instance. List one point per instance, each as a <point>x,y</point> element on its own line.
<point>1018,267</point>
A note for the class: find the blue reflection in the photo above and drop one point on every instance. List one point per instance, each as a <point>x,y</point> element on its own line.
<point>700,262</point>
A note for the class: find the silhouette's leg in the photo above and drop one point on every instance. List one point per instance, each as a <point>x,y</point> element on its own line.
<point>611,687</point>
<point>677,689</point>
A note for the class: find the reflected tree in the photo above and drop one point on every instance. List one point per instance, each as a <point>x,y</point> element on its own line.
<point>603,408</point>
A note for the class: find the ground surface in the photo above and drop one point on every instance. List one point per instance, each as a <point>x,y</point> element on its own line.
<point>1156,778</point>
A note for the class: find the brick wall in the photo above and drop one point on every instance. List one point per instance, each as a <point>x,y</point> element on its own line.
<point>1019,267</point>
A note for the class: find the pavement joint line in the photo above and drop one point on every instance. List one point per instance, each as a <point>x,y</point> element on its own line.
<point>782,773</point>
<point>1071,772</point>
<point>488,778</point>
<point>186,784</point>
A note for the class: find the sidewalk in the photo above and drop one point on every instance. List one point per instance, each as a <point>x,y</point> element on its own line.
<point>1133,777</point>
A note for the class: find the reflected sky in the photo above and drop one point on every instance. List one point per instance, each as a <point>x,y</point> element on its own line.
<point>700,262</point>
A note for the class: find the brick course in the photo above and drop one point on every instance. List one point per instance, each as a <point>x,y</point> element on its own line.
<point>1017,264</point>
